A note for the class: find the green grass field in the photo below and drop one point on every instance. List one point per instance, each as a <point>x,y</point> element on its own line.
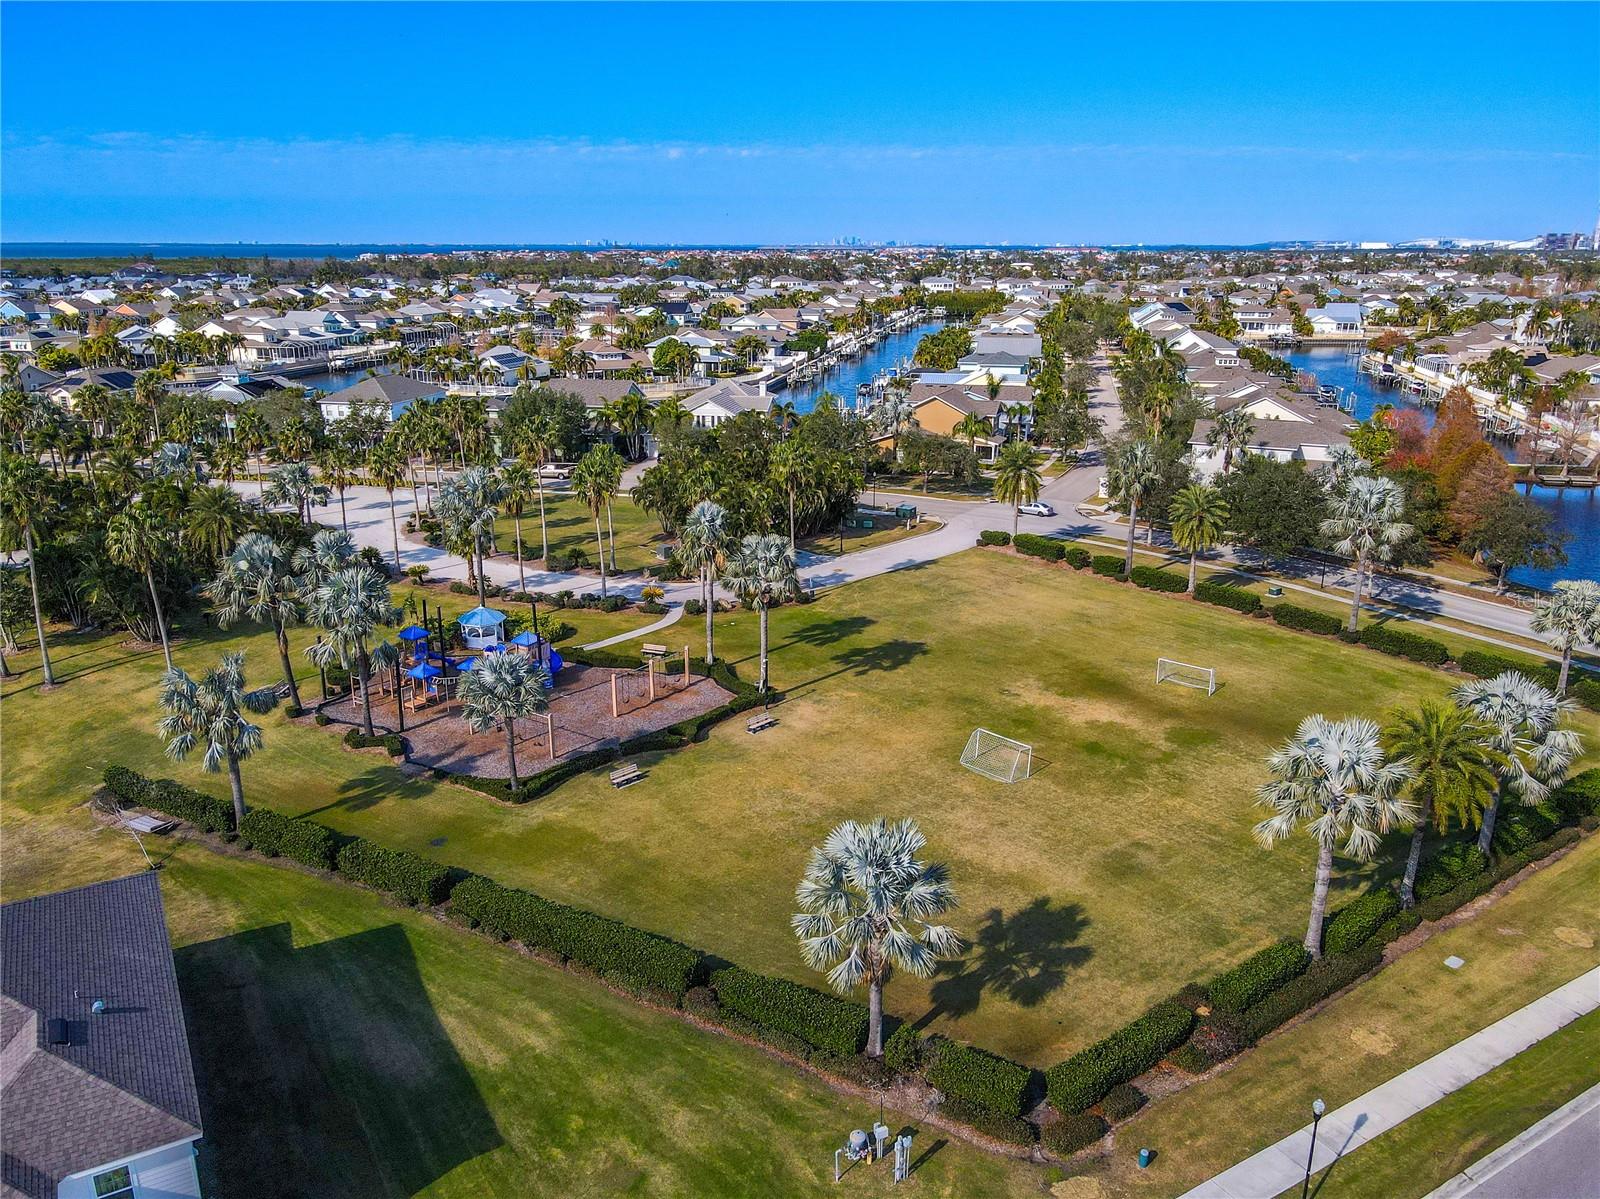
<point>571,526</point>
<point>1124,868</point>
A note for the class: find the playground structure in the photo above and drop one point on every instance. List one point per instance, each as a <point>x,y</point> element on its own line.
<point>630,687</point>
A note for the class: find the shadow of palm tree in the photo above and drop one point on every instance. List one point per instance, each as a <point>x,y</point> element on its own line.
<point>868,659</point>
<point>1022,958</point>
<point>829,632</point>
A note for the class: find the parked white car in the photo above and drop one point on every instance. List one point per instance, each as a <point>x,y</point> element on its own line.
<point>555,470</point>
<point>1037,508</point>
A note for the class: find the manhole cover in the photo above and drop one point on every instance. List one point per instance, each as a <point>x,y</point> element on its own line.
<point>436,842</point>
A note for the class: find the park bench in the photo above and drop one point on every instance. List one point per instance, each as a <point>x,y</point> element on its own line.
<point>623,775</point>
<point>761,720</point>
<point>652,650</point>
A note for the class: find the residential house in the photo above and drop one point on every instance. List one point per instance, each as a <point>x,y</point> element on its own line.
<point>392,394</point>
<point>1287,429</point>
<point>1334,320</point>
<point>724,400</point>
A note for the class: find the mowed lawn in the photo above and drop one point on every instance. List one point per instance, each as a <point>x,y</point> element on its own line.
<point>571,526</point>
<point>1124,868</point>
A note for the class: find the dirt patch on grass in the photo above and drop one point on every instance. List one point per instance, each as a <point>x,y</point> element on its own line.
<point>1575,937</point>
<point>1373,1042</point>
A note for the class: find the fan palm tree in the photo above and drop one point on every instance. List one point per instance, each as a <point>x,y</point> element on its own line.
<point>337,462</point>
<point>1231,433</point>
<point>1568,618</point>
<point>500,689</point>
<point>257,581</point>
<point>27,502</point>
<point>866,906</point>
<point>387,464</point>
<point>137,538</point>
<point>758,569</point>
<point>1132,474</point>
<point>611,467</point>
<point>1525,721</point>
<point>1199,515</point>
<point>212,712</point>
<point>701,543</point>
<point>1368,522</point>
<point>350,605</point>
<point>468,506</point>
<point>522,485</point>
<point>1016,477</point>
<point>1331,777</point>
<point>1452,772</point>
<point>293,484</point>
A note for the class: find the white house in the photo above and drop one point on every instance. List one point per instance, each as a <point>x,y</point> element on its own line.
<point>392,394</point>
<point>1285,429</point>
<point>1334,319</point>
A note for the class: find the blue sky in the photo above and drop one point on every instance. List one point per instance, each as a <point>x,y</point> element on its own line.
<point>769,123</point>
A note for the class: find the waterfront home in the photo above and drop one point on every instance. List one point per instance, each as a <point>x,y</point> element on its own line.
<point>1335,320</point>
<point>1286,428</point>
<point>391,394</point>
<point>98,1082</point>
<point>506,366</point>
<point>940,408</point>
<point>1261,322</point>
<point>724,400</point>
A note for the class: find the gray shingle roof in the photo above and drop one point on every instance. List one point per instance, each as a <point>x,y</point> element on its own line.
<point>124,1083</point>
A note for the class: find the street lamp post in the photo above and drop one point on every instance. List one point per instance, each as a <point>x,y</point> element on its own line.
<point>1317,1108</point>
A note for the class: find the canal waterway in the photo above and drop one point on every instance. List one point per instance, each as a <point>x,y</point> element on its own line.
<point>843,379</point>
<point>1574,511</point>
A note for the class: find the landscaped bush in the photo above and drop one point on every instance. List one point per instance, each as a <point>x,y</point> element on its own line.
<point>1122,1101</point>
<point>1579,796</point>
<point>274,834</point>
<point>1258,975</point>
<point>1322,979</point>
<point>403,874</point>
<point>1036,546</point>
<point>1074,1131</point>
<point>694,608</point>
<point>651,608</point>
<point>1587,692</point>
<point>1521,826</point>
<point>977,1076</point>
<point>391,742</point>
<point>619,952</point>
<point>1447,869</point>
<point>823,1021</point>
<point>994,537</point>
<point>1292,616</point>
<point>1219,1036</point>
<point>127,785</point>
<point>1355,924</point>
<point>1485,665</point>
<point>1081,1080</point>
<point>1013,1130</point>
<point>1155,579</point>
<point>1076,557</point>
<point>869,1072</point>
<point>1225,596</point>
<point>170,798</point>
<point>462,589</point>
<point>903,1050</point>
<point>1108,565</point>
<point>1397,926</point>
<point>1190,1058</point>
<point>1403,644</point>
<point>613,603</point>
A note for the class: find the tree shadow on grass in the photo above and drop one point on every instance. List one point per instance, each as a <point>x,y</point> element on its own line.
<point>869,659</point>
<point>367,790</point>
<point>828,632</point>
<point>323,1069</point>
<point>1021,958</point>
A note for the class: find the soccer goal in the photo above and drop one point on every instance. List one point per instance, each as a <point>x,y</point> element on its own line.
<point>996,757</point>
<point>1203,677</point>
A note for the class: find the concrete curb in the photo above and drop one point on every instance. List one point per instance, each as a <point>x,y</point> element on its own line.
<point>1485,1168</point>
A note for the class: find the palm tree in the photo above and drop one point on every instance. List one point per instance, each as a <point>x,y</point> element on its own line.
<point>591,484</point>
<point>213,521</point>
<point>292,483</point>
<point>1569,617</point>
<point>1452,772</point>
<point>701,542</point>
<point>864,889</point>
<point>137,539</point>
<point>790,466</point>
<point>27,501</point>
<point>1331,777</point>
<point>502,688</point>
<point>670,415</point>
<point>1524,719</point>
<point>521,484</point>
<point>386,463</point>
<point>1231,433</point>
<point>257,581</point>
<point>1016,477</point>
<point>350,605</point>
<point>1199,515</point>
<point>338,465</point>
<point>468,506</point>
<point>1132,474</point>
<point>972,426</point>
<point>212,712</point>
<point>760,568</point>
<point>611,467</point>
<point>536,444</point>
<point>1368,522</point>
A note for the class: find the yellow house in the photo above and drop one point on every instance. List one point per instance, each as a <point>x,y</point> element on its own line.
<point>940,408</point>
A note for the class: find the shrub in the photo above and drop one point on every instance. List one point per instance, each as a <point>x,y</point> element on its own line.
<point>1220,1036</point>
<point>613,603</point>
<point>1154,578</point>
<point>697,1001</point>
<point>1485,665</point>
<point>1397,926</point>
<point>205,812</point>
<point>903,1050</point>
<point>651,608</point>
<point>1447,869</point>
<point>1076,557</point>
<point>994,537</point>
<point>1013,1130</point>
<point>1579,796</point>
<point>1404,644</point>
<point>1122,1101</point>
<point>1331,973</point>
<point>1083,1078</point>
<point>652,594</point>
<point>391,742</point>
<point>1226,596</point>
<point>272,833</point>
<point>823,1021</point>
<point>978,1077</point>
<point>869,1072</point>
<point>1036,546</point>
<point>459,588</point>
<point>1258,975</point>
<point>1292,616</point>
<point>1072,1132</point>
<point>1521,826</point>
<point>1586,692</point>
<point>403,874</point>
<point>1108,565</point>
<point>323,719</point>
<point>619,952</point>
<point>694,607</point>
<point>127,785</point>
<point>1356,922</point>
<point>1190,1059</point>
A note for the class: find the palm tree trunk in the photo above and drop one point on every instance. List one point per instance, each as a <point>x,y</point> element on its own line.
<point>763,646</point>
<point>544,533</point>
<point>1133,527</point>
<point>511,751</point>
<point>875,1018</point>
<point>791,519</point>
<point>363,673</point>
<point>38,612</point>
<point>236,785</point>
<point>477,552</point>
<point>1013,523</point>
<point>283,659</point>
<point>161,622</point>
<point>1319,901</point>
<point>600,541</point>
<point>1566,665</point>
<point>1355,594</point>
<point>516,524</point>
<point>343,522</point>
<point>611,534</point>
<point>1408,884</point>
<point>1194,557</point>
<point>1486,833</point>
<point>709,592</point>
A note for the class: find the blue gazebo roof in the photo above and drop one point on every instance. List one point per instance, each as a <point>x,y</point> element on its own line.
<point>413,633</point>
<point>526,637</point>
<point>481,618</point>
<point>426,671</point>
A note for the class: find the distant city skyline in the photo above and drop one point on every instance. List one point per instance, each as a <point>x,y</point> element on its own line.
<point>766,124</point>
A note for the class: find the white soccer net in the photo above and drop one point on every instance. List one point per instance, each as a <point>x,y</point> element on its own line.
<point>996,757</point>
<point>1170,671</point>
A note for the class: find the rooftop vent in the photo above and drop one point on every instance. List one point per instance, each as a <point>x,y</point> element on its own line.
<point>57,1031</point>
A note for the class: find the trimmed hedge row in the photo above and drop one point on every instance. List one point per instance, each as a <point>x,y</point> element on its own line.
<point>1359,920</point>
<point>1403,644</point>
<point>1083,1079</point>
<point>392,742</point>
<point>1076,557</point>
<point>1226,596</point>
<point>171,799</point>
<point>1108,565</point>
<point>821,1021</point>
<point>1122,1101</point>
<point>1035,546</point>
<point>1309,620</point>
<point>1153,578</point>
<point>1465,892</point>
<point>977,1076</point>
<point>274,834</point>
<point>1074,1131</point>
<point>1013,1130</point>
<point>1328,974</point>
<point>618,952</point>
<point>994,537</point>
<point>1258,975</point>
<point>1579,796</point>
<point>405,875</point>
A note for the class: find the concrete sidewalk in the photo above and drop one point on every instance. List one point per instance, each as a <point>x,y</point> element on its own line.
<point>1283,1165</point>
